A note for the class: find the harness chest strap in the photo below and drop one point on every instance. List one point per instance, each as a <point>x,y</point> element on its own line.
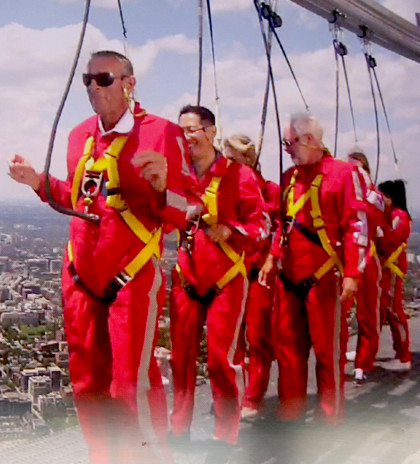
<point>392,260</point>
<point>210,201</point>
<point>114,200</point>
<point>294,207</point>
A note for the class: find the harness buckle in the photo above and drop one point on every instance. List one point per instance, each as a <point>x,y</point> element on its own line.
<point>90,187</point>
<point>122,279</point>
<point>289,223</point>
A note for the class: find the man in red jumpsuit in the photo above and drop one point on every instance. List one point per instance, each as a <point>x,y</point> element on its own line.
<point>324,235</point>
<point>127,169</point>
<point>259,304</point>
<point>210,281</point>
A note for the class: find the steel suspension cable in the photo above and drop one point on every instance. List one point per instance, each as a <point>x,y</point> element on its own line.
<point>370,62</point>
<point>47,165</point>
<point>386,118</point>
<point>216,90</point>
<point>288,62</point>
<point>200,50</point>
<point>124,30</point>
<point>259,142</point>
<point>273,88</point>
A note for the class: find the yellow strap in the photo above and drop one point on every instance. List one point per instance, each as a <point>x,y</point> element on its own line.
<point>109,162</point>
<point>294,207</point>
<point>392,260</point>
<point>70,251</point>
<point>372,251</point>
<point>210,200</point>
<point>139,229</point>
<point>329,264</point>
<point>99,165</point>
<point>112,154</point>
<point>78,175</point>
<point>145,254</point>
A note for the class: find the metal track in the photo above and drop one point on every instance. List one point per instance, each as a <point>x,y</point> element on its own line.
<point>384,27</point>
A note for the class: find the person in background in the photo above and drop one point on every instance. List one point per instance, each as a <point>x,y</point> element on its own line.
<point>210,280</point>
<point>368,292</point>
<point>394,267</point>
<point>127,169</point>
<point>321,247</point>
<point>259,304</point>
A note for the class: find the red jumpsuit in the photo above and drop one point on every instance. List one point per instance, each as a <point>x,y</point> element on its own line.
<point>116,381</point>
<point>259,306</point>
<point>394,267</point>
<point>202,265</point>
<point>308,312</point>
<point>369,291</point>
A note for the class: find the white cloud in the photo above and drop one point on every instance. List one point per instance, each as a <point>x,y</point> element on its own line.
<point>34,68</point>
<point>108,4</point>
<point>229,5</point>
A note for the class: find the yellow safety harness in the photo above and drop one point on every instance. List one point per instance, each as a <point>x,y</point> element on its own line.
<point>293,208</point>
<point>391,262</point>
<point>109,163</point>
<point>211,218</point>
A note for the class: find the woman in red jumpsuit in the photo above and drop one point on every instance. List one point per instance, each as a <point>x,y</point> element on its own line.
<point>394,268</point>
<point>259,304</point>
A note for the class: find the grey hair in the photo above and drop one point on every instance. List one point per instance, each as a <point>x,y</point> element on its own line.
<point>306,123</point>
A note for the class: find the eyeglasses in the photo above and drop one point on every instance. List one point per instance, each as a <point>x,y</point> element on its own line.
<point>103,79</point>
<point>288,143</point>
<point>192,130</point>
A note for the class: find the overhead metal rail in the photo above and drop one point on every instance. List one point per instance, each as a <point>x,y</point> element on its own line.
<point>381,25</point>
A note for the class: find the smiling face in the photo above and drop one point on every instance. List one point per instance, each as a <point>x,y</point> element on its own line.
<point>200,135</point>
<point>109,102</point>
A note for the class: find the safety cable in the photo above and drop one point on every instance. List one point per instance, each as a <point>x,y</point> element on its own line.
<point>124,30</point>
<point>200,50</point>
<point>275,21</point>
<point>337,100</point>
<point>47,186</point>
<point>340,49</point>
<point>259,142</point>
<point>370,63</point>
<point>386,117</point>
<point>122,19</point>
<point>273,88</point>
<point>216,90</point>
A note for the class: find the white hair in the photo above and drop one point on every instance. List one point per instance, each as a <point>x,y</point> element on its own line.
<point>306,123</point>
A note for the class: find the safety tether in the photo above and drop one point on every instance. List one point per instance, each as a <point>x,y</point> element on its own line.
<point>267,50</point>
<point>274,22</point>
<point>200,50</point>
<point>340,49</point>
<point>371,65</point>
<point>47,165</point>
<point>260,139</point>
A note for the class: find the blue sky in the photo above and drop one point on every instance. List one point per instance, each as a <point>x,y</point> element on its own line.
<point>38,40</point>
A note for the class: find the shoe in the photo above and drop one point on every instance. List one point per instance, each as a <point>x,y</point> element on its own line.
<point>248,413</point>
<point>359,376</point>
<point>351,355</point>
<point>396,365</point>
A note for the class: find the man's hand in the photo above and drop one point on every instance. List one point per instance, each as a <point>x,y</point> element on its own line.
<point>266,270</point>
<point>154,168</point>
<point>349,288</point>
<point>219,233</point>
<point>22,171</point>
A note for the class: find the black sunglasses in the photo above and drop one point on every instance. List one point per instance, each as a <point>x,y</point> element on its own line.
<point>103,79</point>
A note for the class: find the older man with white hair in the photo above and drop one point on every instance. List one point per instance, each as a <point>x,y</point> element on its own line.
<point>321,248</point>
